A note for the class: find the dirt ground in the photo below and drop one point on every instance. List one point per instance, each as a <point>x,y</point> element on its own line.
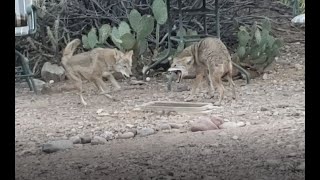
<point>270,146</point>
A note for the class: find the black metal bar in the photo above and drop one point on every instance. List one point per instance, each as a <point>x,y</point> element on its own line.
<point>206,10</point>
<point>204,18</point>
<point>180,17</point>
<point>169,42</point>
<point>217,18</point>
<point>27,71</point>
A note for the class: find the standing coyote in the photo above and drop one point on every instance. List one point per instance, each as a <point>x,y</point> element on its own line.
<point>211,60</point>
<point>95,64</point>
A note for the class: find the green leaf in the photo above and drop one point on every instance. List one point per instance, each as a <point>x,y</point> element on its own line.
<point>85,42</point>
<point>115,37</point>
<point>104,33</point>
<point>265,36</point>
<point>191,32</point>
<point>181,32</point>
<point>134,19</point>
<point>159,10</point>
<point>270,41</point>
<point>123,28</point>
<point>266,24</point>
<point>142,45</point>
<point>243,37</point>
<point>146,26</point>
<point>255,51</point>
<point>180,47</point>
<point>257,36</point>
<point>128,41</point>
<point>92,38</point>
<point>241,51</point>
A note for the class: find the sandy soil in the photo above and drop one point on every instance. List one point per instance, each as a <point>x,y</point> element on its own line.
<point>270,146</point>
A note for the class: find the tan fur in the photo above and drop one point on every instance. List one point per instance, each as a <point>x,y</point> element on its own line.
<point>95,64</point>
<point>211,60</point>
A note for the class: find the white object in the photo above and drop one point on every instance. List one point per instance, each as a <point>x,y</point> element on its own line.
<point>147,79</point>
<point>300,19</point>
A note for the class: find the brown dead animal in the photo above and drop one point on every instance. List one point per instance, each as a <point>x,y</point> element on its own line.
<point>94,65</point>
<point>211,60</point>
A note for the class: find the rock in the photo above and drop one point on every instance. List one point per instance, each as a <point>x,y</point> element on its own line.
<point>54,146</point>
<point>134,131</point>
<point>75,140</point>
<point>295,114</point>
<point>175,126</point>
<point>99,111</point>
<point>182,88</point>
<point>292,155</point>
<point>148,79</point>
<point>126,135</point>
<point>298,66</point>
<point>216,120</point>
<point>164,127</point>
<point>282,106</point>
<point>52,72</point>
<point>107,135</point>
<point>299,19</point>
<point>39,84</point>
<point>283,62</point>
<point>98,140</point>
<point>273,162</point>
<point>235,137</point>
<point>85,139</point>
<point>145,132</point>
<point>203,124</point>
<point>265,76</point>
<point>241,124</point>
<point>301,167</point>
<point>263,109</point>
<point>27,152</point>
<point>130,126</point>
<point>228,125</point>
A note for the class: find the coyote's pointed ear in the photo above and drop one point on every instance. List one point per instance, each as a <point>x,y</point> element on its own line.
<point>129,55</point>
<point>189,60</point>
<point>117,54</point>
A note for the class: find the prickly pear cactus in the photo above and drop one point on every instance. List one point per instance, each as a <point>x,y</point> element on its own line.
<point>258,47</point>
<point>159,10</point>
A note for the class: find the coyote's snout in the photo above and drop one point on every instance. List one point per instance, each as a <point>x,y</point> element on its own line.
<point>124,64</point>
<point>181,66</point>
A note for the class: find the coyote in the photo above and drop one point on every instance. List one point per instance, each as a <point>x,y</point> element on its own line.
<point>94,65</point>
<point>211,60</point>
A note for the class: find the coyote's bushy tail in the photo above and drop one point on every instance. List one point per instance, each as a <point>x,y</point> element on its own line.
<point>70,48</point>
